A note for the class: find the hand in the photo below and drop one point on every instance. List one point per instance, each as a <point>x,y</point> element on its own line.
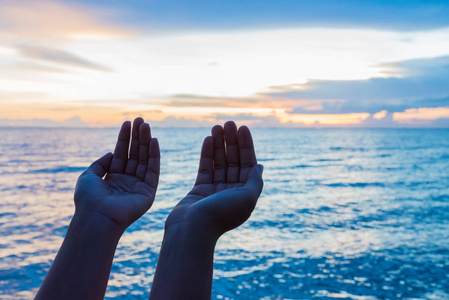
<point>228,184</point>
<point>129,188</point>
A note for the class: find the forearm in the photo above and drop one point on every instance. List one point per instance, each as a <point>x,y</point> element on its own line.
<point>185,265</point>
<point>82,266</point>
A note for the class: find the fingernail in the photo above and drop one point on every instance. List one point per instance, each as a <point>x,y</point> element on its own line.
<point>260,168</point>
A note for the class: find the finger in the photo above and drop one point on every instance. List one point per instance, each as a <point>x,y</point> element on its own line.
<point>144,138</point>
<point>133,160</point>
<point>247,154</point>
<point>219,155</point>
<point>121,149</point>
<point>232,151</point>
<point>101,166</point>
<point>153,169</point>
<point>254,183</point>
<point>206,169</point>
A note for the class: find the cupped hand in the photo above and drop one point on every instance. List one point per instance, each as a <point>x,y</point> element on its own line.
<point>129,187</point>
<point>228,184</point>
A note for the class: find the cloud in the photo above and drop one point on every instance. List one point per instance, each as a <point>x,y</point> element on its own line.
<point>21,68</point>
<point>237,117</point>
<point>311,71</point>
<point>35,36</point>
<point>381,119</point>
<point>248,62</point>
<point>380,115</point>
<point>418,67</point>
<point>29,108</point>
<point>13,98</point>
<point>191,100</point>
<point>58,57</point>
<point>50,21</point>
<point>423,114</point>
<point>241,119</point>
<point>411,118</point>
<point>180,122</point>
<point>74,122</point>
<point>425,83</point>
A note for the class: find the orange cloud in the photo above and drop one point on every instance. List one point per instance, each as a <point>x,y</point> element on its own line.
<point>324,119</point>
<point>423,114</point>
<point>380,115</point>
<point>93,115</point>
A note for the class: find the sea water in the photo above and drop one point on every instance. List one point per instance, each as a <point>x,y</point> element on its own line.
<point>345,213</point>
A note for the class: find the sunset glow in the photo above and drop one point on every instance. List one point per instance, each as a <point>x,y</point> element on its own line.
<point>62,61</point>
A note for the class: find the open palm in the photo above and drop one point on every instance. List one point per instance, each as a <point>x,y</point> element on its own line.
<point>228,184</point>
<point>129,188</point>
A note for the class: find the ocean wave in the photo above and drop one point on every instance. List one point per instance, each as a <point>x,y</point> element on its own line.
<point>349,214</point>
<point>59,169</point>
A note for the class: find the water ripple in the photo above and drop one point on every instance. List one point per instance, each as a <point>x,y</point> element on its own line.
<point>345,214</point>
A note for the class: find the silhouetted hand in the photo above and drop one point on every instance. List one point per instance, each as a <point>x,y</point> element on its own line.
<point>104,209</point>
<point>226,190</point>
<point>228,184</point>
<point>129,188</point>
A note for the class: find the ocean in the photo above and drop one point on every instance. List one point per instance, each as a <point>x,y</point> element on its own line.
<point>344,214</point>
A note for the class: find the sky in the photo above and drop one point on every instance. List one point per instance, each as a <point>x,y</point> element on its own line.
<point>261,63</point>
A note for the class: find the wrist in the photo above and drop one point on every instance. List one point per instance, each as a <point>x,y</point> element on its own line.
<point>190,234</point>
<point>93,223</point>
<point>187,224</point>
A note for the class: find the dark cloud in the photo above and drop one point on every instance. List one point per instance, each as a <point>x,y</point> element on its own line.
<point>59,57</point>
<point>385,122</point>
<point>417,67</point>
<point>190,100</point>
<point>425,84</point>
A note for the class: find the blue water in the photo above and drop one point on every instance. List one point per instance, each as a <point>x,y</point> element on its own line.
<point>345,213</point>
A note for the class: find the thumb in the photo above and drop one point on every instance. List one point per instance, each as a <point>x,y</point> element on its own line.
<point>255,181</point>
<point>101,166</point>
